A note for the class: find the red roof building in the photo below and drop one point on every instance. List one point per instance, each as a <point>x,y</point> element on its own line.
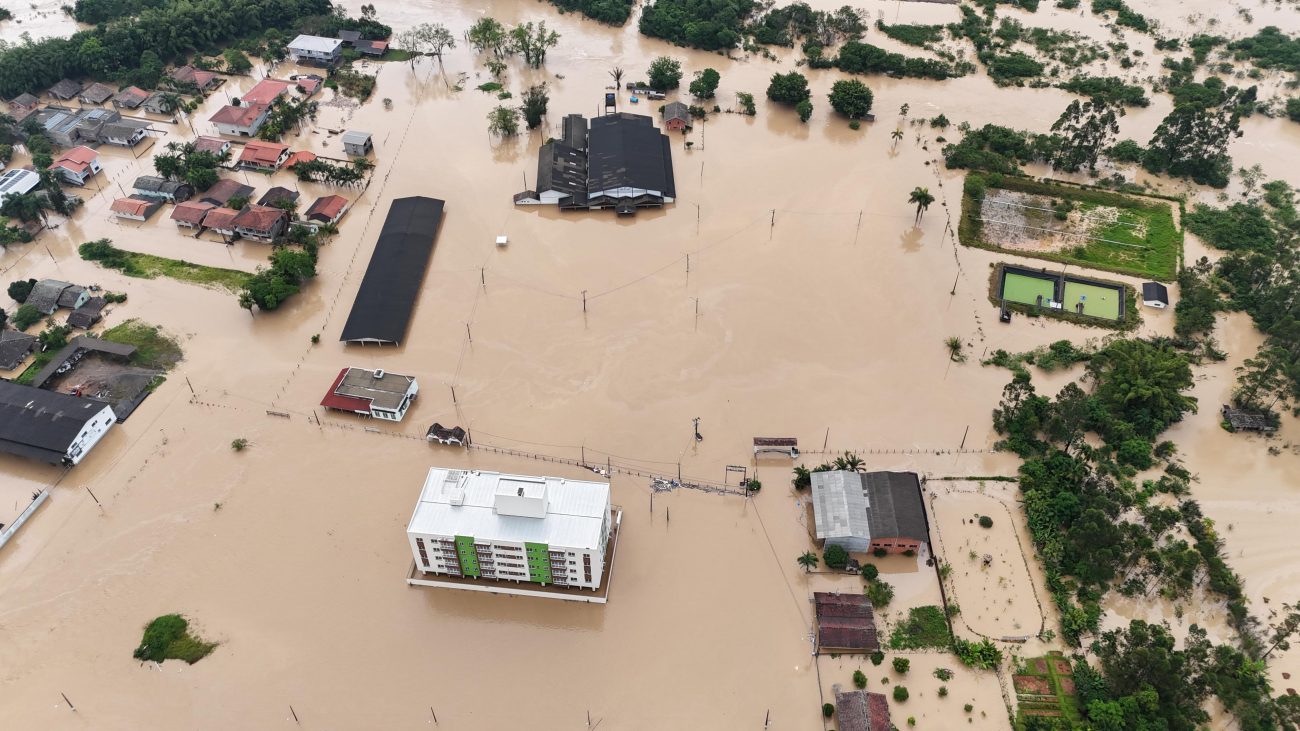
<point>204,80</point>
<point>371,393</point>
<point>308,86</point>
<point>845,623</point>
<point>263,155</point>
<point>242,121</point>
<point>299,156</point>
<point>136,209</point>
<point>77,165</point>
<point>221,220</point>
<point>327,209</point>
<point>261,223</point>
<point>130,97</point>
<point>214,145</point>
<point>858,710</point>
<point>265,92</point>
<point>190,214</point>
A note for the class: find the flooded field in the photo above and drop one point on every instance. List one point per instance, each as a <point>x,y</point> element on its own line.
<point>787,292</point>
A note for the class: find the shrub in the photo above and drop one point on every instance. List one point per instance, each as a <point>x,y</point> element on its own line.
<point>790,88</point>
<point>870,572</point>
<point>855,124</point>
<point>828,709</point>
<point>25,317</point>
<point>1126,151</point>
<point>19,289</point>
<point>880,553</point>
<point>746,102</point>
<point>943,691</point>
<point>836,557</point>
<point>804,109</point>
<point>968,708</point>
<point>911,720</point>
<point>167,638</point>
<point>900,693</point>
<point>986,521</point>
<point>877,657</point>
<point>902,665</point>
<point>239,444</point>
<point>943,674</point>
<point>880,593</point>
<point>909,553</point>
<point>859,679</point>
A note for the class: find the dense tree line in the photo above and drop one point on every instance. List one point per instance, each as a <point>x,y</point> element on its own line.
<point>856,57</point>
<point>1261,275</point>
<point>614,12</point>
<point>167,32</point>
<point>1192,140</point>
<point>94,12</point>
<point>784,26</point>
<point>1110,88</point>
<point>710,25</point>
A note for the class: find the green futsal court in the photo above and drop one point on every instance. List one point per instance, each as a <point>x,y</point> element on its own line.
<point>1026,289</point>
<point>1098,301</point>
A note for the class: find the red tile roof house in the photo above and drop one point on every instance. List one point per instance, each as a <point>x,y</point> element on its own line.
<point>221,220</point>
<point>223,190</point>
<point>135,209</point>
<point>77,165</point>
<point>372,393</point>
<point>190,214</point>
<point>240,121</point>
<point>264,92</point>
<point>299,156</point>
<point>259,155</point>
<point>327,209</point>
<point>203,80</point>
<point>261,223</point>
<point>130,98</point>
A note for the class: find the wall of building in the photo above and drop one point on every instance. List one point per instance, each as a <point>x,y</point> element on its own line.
<point>896,545</point>
<point>539,563</point>
<point>91,433</point>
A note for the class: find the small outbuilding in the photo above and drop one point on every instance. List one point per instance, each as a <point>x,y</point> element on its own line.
<point>159,103</point>
<point>357,143</point>
<point>87,315</point>
<point>66,90</point>
<point>1155,294</point>
<point>452,436</point>
<point>154,186</point>
<point>327,209</point>
<point>24,103</point>
<point>677,116</point>
<point>226,190</point>
<point>276,195</point>
<point>196,77</point>
<point>1241,420</point>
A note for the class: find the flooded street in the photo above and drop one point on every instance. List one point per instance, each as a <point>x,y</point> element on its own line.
<point>786,293</point>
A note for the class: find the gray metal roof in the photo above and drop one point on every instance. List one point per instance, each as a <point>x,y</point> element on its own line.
<point>868,505</point>
<point>14,347</point>
<point>562,168</point>
<point>355,137</point>
<point>41,424</point>
<point>45,295</point>
<point>1155,292</point>
<point>627,151</point>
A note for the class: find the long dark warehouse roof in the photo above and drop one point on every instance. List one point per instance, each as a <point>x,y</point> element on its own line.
<point>382,309</point>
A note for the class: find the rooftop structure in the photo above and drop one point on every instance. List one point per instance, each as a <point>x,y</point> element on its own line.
<point>135,208</point>
<point>488,525</point>
<point>371,48</point>
<point>49,295</point>
<point>96,93</point>
<point>87,315</point>
<point>240,121</point>
<point>261,223</point>
<point>123,132</point>
<point>327,209</point>
<point>277,194</point>
<point>130,98</point>
<point>24,101</point>
<point>203,80</point>
<point>14,347</point>
<point>48,426</point>
<point>1241,420</point>
<point>66,89</point>
<point>154,186</point>
<point>214,145</point>
<point>263,155</point>
<point>17,182</point>
<point>845,623</point>
<point>191,213</point>
<point>386,299</point>
<point>371,393</point>
<point>159,103</point>
<point>447,435</point>
<point>676,115</point>
<point>77,165</point>
<point>621,161</point>
<point>224,190</point>
<point>861,512</point>
<point>221,220</point>
<point>299,156</point>
<point>357,143</point>
<point>858,710</point>
<point>1155,294</point>
<point>264,93</point>
<point>315,49</point>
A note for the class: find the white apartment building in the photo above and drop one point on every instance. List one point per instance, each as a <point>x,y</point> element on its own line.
<point>315,49</point>
<point>487,525</point>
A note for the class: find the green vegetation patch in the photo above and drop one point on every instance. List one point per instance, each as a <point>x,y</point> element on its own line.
<point>1026,290</point>
<point>1130,236</point>
<point>148,266</point>
<point>1097,300</point>
<point>1045,687</point>
<point>924,627</point>
<point>153,347</point>
<point>168,638</point>
<point>912,35</point>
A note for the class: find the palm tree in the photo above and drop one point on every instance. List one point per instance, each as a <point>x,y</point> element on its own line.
<point>617,73</point>
<point>903,110</point>
<point>802,477</point>
<point>897,135</point>
<point>954,349</point>
<point>922,198</point>
<point>849,461</point>
<point>808,561</point>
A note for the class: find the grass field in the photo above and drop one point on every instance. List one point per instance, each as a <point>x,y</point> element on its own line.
<point>1114,247</point>
<point>1026,290</point>
<point>148,266</point>
<point>1097,301</point>
<point>153,349</point>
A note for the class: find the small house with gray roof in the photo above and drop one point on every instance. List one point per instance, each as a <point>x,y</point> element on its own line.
<point>864,511</point>
<point>49,295</point>
<point>66,89</point>
<point>14,347</point>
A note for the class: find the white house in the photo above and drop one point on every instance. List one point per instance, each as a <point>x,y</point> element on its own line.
<point>17,182</point>
<point>492,526</point>
<point>240,121</point>
<point>371,393</point>
<point>49,426</point>
<point>315,49</point>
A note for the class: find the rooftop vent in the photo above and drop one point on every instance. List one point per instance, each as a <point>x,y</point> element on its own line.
<point>379,373</point>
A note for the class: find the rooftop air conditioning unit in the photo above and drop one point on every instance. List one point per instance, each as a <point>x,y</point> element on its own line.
<point>379,373</point>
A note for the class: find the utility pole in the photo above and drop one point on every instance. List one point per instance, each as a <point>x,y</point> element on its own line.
<point>584,301</point>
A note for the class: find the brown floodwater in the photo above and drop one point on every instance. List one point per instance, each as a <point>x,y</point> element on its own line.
<point>813,305</point>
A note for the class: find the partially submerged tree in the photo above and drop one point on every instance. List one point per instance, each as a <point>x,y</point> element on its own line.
<point>503,121</point>
<point>533,40</point>
<point>1086,130</point>
<point>790,88</point>
<point>808,560</point>
<point>921,198</point>
<point>534,107</point>
<point>705,84</point>
<point>665,73</point>
<point>487,35</point>
<point>852,98</point>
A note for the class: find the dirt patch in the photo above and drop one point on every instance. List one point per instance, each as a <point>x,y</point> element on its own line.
<point>1050,712</point>
<point>119,384</point>
<point>1067,684</point>
<point>1061,666</point>
<point>1032,684</point>
<point>1016,220</point>
<point>1038,666</point>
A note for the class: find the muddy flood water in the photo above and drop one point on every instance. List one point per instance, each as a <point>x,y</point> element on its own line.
<point>787,292</point>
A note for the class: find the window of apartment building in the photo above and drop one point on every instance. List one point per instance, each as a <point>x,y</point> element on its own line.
<point>424,557</point>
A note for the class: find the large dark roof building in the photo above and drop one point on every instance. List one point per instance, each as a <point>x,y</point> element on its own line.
<point>386,299</point>
<point>48,426</point>
<point>845,623</point>
<point>861,512</point>
<point>621,161</point>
